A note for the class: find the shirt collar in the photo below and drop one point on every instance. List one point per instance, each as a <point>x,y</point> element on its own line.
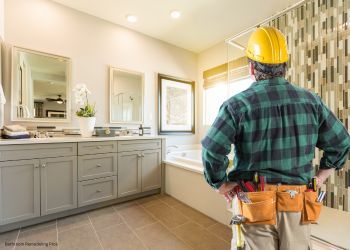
<point>272,81</point>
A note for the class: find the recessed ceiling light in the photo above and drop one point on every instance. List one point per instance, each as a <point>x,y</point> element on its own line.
<point>175,14</point>
<point>132,18</point>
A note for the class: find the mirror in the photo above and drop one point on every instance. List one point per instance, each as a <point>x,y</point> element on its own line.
<point>40,86</point>
<point>126,96</point>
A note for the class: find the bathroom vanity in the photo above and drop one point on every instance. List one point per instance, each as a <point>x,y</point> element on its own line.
<point>48,178</point>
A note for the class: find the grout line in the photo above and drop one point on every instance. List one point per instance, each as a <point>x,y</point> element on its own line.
<point>58,246</point>
<point>93,228</point>
<point>19,230</point>
<point>134,232</point>
<point>163,224</point>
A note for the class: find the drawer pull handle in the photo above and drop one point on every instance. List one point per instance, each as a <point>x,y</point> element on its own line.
<point>98,190</point>
<point>99,147</point>
<point>98,165</point>
<point>43,165</point>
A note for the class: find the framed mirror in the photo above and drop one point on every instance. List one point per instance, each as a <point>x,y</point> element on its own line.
<point>40,88</point>
<point>126,96</point>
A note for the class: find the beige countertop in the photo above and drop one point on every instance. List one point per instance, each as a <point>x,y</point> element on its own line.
<point>333,227</point>
<point>74,139</point>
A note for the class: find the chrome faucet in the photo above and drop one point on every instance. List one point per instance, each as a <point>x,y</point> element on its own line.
<point>168,148</point>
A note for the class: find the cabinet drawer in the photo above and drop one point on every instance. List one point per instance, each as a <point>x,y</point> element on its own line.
<point>91,148</point>
<point>134,145</point>
<point>97,190</point>
<point>96,166</point>
<point>35,151</point>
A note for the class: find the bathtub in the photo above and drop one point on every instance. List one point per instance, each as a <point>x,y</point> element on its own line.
<point>184,180</point>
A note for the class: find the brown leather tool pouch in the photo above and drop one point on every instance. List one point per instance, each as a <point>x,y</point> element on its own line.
<point>262,209</point>
<point>312,208</point>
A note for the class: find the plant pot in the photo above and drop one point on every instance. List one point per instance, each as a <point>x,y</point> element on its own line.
<point>86,125</point>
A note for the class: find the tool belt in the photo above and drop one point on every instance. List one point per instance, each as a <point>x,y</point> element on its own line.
<point>280,198</point>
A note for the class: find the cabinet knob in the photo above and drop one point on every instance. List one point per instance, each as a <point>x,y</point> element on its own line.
<point>43,165</point>
<point>98,191</point>
<point>142,155</point>
<point>98,165</point>
<point>139,155</point>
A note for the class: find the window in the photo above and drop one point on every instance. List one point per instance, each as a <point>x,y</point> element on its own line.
<point>214,97</point>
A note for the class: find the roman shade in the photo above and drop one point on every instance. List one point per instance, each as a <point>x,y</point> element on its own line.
<point>233,70</point>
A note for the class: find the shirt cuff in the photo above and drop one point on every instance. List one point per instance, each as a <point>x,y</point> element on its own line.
<point>324,164</point>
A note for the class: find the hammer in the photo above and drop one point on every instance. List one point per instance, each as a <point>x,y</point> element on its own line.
<point>237,220</point>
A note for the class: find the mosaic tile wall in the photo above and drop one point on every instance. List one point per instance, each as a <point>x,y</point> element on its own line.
<point>318,37</point>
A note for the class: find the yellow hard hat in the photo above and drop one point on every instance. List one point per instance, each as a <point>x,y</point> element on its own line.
<point>267,45</point>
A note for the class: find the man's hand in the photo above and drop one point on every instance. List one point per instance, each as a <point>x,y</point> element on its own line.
<point>226,190</point>
<point>322,175</point>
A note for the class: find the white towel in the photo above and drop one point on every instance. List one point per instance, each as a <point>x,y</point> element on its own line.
<point>15,128</point>
<point>2,95</point>
<point>9,133</point>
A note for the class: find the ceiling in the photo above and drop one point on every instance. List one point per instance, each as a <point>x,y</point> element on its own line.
<point>203,23</point>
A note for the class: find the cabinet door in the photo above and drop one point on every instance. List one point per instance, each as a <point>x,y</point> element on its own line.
<point>58,184</point>
<point>129,173</point>
<point>19,190</point>
<point>151,169</point>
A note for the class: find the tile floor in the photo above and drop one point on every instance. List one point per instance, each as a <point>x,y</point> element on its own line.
<point>155,222</point>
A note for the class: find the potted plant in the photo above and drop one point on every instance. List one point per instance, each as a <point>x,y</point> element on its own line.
<point>86,112</point>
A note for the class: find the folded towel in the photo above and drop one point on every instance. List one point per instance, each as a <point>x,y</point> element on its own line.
<point>15,128</point>
<point>10,133</point>
<point>15,137</point>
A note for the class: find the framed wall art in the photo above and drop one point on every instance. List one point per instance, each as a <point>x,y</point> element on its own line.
<point>176,112</point>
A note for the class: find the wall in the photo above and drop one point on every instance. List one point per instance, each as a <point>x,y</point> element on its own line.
<point>93,45</point>
<point>2,20</point>
<point>207,59</point>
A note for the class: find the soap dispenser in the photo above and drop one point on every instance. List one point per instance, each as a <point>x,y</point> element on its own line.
<point>140,130</point>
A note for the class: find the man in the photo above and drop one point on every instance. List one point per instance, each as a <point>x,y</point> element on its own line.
<point>274,127</point>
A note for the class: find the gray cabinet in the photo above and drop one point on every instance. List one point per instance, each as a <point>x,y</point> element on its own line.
<point>138,171</point>
<point>97,190</point>
<point>151,169</point>
<point>58,184</point>
<point>129,173</point>
<point>19,190</point>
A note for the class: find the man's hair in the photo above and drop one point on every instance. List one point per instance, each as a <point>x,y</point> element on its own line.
<point>263,71</point>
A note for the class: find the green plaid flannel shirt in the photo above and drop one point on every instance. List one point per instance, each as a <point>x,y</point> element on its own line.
<point>274,127</point>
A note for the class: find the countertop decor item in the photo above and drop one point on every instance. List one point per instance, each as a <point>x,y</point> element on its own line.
<point>86,112</point>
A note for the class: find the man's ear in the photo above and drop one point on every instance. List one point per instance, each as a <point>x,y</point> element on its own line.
<point>251,71</point>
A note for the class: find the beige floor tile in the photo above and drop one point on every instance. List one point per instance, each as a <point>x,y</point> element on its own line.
<point>71,222</point>
<point>169,216</point>
<point>136,216</point>
<point>213,243</point>
<point>191,233</point>
<point>222,231</point>
<point>40,238</point>
<point>195,215</point>
<point>170,201</point>
<point>104,217</point>
<point>125,205</point>
<point>156,236</point>
<point>8,238</point>
<point>83,238</point>
<point>51,224</point>
<point>149,201</point>
<point>119,237</point>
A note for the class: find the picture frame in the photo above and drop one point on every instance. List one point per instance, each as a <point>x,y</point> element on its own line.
<point>55,114</point>
<point>176,105</point>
